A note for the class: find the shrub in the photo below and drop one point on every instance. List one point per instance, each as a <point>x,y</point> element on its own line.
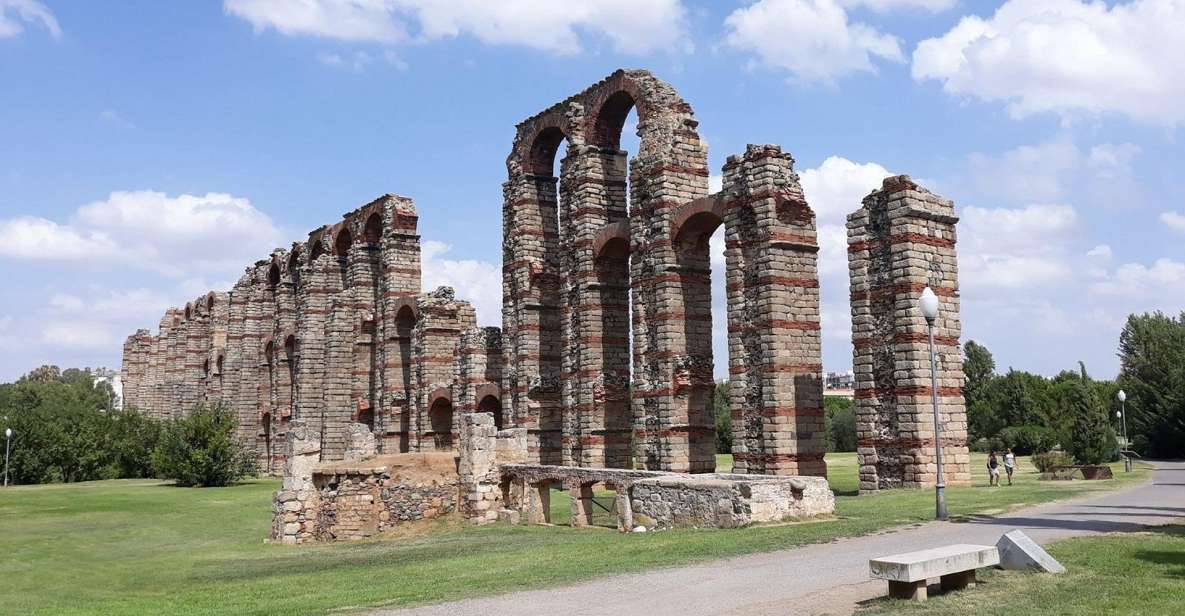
<point>200,450</point>
<point>986,445</point>
<point>1026,440</point>
<point>1047,460</point>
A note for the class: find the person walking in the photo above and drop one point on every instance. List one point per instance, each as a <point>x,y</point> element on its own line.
<point>1009,464</point>
<point>993,466</point>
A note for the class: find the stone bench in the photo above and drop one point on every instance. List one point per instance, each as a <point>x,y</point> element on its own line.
<point>955,565</point>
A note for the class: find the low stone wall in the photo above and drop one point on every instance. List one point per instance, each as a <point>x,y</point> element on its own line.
<point>354,500</point>
<point>727,501</point>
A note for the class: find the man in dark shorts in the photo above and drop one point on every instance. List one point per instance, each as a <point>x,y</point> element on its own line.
<point>993,466</point>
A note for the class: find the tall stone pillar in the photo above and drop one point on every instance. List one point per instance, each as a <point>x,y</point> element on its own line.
<point>398,286</point>
<point>531,307</point>
<point>900,241</point>
<point>675,426</point>
<point>595,297</point>
<point>776,366</point>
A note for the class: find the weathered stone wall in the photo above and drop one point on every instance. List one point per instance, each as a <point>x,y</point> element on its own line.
<point>333,331</point>
<point>900,241</point>
<point>356,499</point>
<point>774,344</point>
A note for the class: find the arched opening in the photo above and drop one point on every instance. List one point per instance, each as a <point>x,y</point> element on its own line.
<point>373,233</point>
<point>265,425</point>
<point>366,416</point>
<point>543,151</point>
<point>273,276</point>
<point>188,311</point>
<point>206,369</point>
<point>440,417</point>
<point>210,304</point>
<point>316,250</point>
<point>492,405</point>
<point>401,374</point>
<point>290,388</point>
<point>342,243</point>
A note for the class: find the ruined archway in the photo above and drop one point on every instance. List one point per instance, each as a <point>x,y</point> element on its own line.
<point>670,414</point>
<point>440,417</point>
<point>492,405</point>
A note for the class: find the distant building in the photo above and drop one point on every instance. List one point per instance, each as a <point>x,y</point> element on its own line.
<point>841,384</point>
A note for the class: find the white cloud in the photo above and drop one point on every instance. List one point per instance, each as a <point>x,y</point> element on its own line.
<point>478,282</point>
<point>347,20</point>
<point>1159,286</point>
<point>29,237</point>
<point>1173,220</point>
<point>1015,248</point>
<point>80,335</point>
<point>1067,57</point>
<point>149,230</point>
<point>1026,173</point>
<point>811,39</point>
<point>837,187</point>
<point>632,27</point>
<point>1110,160</point>
<point>885,6</point>
<point>1102,252</point>
<point>15,13</point>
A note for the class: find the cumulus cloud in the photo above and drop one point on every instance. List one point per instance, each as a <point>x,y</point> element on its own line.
<point>885,6</point>
<point>837,187</point>
<point>1164,280</point>
<point>813,40</point>
<point>15,14</point>
<point>478,282</point>
<point>1015,248</point>
<point>556,27</point>
<point>1173,220</point>
<point>80,335</point>
<point>150,230</point>
<point>1067,57</point>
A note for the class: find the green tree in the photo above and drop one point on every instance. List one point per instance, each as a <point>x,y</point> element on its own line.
<point>723,410</point>
<point>1152,373</point>
<point>839,416</point>
<point>201,450</point>
<point>978,367</point>
<point>1092,440</point>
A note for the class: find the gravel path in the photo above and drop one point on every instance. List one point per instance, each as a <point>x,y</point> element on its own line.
<point>828,578</point>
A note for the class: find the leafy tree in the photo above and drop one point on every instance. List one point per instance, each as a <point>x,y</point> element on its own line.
<point>1152,373</point>
<point>978,367</point>
<point>840,419</point>
<point>200,449</point>
<point>723,412</point>
<point>1092,440</point>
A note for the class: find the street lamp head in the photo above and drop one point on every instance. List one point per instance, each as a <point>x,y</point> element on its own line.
<point>928,303</point>
<point>1119,413</point>
<point>1122,395</point>
<point>8,433</point>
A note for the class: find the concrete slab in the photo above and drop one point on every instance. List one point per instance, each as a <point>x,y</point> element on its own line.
<point>1019,553</point>
<point>932,563</point>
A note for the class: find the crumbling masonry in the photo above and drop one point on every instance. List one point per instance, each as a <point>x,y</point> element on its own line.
<point>333,331</point>
<point>603,370</point>
<point>901,241</point>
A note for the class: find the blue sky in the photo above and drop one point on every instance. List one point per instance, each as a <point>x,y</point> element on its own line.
<point>150,151</point>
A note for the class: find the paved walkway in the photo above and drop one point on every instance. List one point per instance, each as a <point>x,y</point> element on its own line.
<point>828,578</point>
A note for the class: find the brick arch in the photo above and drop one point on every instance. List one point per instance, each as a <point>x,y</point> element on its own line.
<point>372,229</point>
<point>487,389</point>
<point>439,394</point>
<point>292,263</point>
<point>211,299</point>
<point>613,240</point>
<point>343,238</point>
<point>698,219</point>
<point>188,310</point>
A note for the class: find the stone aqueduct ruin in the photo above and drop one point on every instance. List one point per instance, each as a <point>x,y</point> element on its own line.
<point>604,360</point>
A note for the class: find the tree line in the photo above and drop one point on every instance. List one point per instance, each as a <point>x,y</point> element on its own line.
<point>66,428</point>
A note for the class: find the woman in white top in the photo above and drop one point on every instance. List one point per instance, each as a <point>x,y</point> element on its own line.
<point>1009,464</point>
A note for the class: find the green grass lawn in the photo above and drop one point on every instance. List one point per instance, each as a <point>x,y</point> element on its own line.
<point>1129,573</point>
<point>147,547</point>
